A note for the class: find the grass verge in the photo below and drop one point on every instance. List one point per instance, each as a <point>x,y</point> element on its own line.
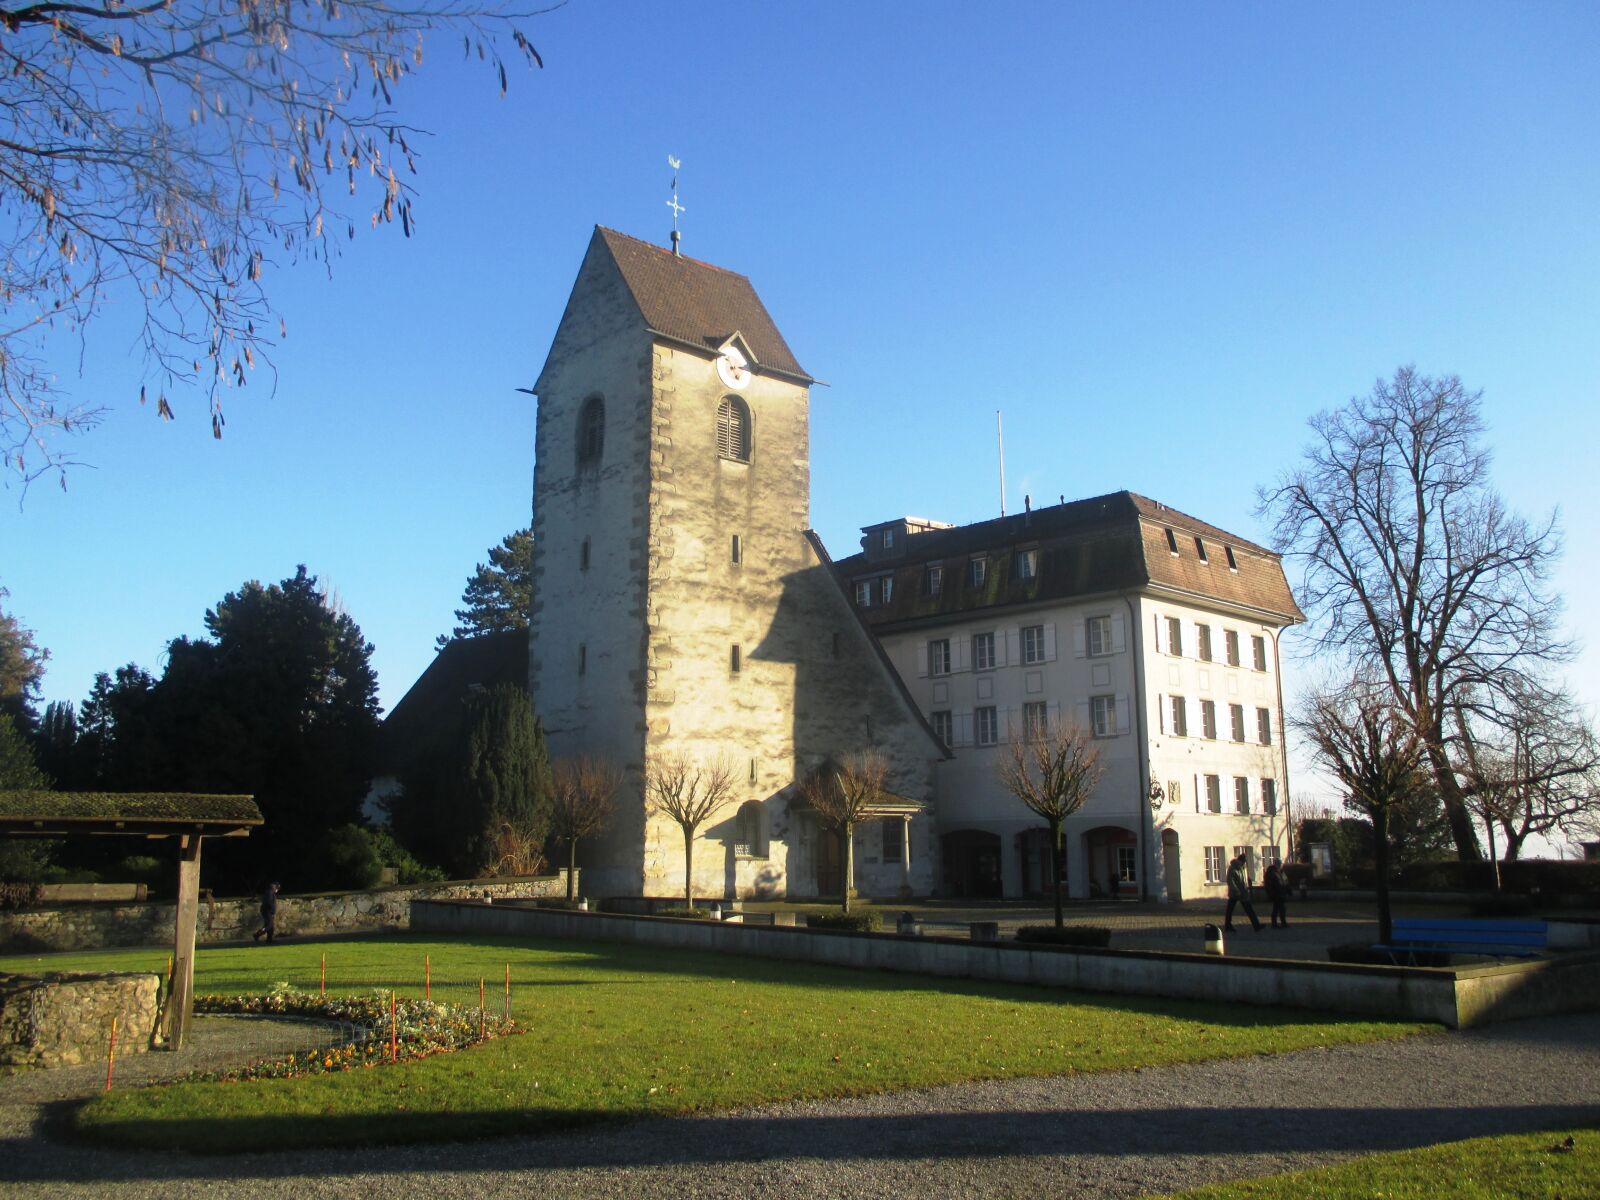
<point>617,1031</point>
<point>1522,1166</point>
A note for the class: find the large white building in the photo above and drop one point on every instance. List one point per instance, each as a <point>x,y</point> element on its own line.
<point>683,606</point>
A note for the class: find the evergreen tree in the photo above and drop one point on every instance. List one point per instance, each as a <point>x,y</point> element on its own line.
<point>499,594</point>
<point>56,743</point>
<point>21,668</point>
<point>502,788</point>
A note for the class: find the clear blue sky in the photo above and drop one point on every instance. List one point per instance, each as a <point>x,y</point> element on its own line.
<point>1159,236</point>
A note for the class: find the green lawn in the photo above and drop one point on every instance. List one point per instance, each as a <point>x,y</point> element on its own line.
<point>1524,1166</point>
<point>619,1031</point>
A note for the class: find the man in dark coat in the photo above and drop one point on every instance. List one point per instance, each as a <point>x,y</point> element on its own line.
<point>1278,893</point>
<point>269,912</point>
<point>1239,893</point>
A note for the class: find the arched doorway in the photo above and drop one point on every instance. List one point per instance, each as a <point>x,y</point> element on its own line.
<point>1112,857</point>
<point>971,863</point>
<point>1172,864</point>
<point>1033,847</point>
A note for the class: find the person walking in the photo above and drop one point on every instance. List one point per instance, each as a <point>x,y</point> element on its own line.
<point>1239,893</point>
<point>269,913</point>
<point>1278,893</point>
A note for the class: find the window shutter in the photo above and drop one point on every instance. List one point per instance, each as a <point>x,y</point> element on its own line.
<point>960,658</point>
<point>1080,645</point>
<point>1119,638</point>
<point>1124,724</point>
<point>1050,642</point>
<point>922,660</point>
<point>962,722</point>
<point>1195,791</point>
<point>1161,713</point>
<point>1082,708</point>
<point>1014,644</point>
<point>1000,658</point>
<point>1053,711</point>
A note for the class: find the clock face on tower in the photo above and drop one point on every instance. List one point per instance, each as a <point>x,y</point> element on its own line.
<point>732,368</point>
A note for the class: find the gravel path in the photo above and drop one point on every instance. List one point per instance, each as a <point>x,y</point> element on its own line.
<point>1115,1134</point>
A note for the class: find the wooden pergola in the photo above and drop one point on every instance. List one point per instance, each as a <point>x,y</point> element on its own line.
<point>187,817</point>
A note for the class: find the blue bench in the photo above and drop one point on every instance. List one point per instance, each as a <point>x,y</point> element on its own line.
<point>1440,935</point>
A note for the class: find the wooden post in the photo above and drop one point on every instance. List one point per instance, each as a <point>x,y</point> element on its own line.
<point>111,1053</point>
<point>322,975</point>
<point>427,977</point>
<point>480,1009</point>
<point>180,1011</point>
<point>394,1030</point>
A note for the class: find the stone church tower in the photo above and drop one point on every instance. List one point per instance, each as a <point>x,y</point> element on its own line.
<point>681,604</point>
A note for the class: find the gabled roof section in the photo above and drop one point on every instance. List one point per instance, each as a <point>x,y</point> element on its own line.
<point>433,702</point>
<point>698,304</point>
<point>1111,543</point>
<point>148,814</point>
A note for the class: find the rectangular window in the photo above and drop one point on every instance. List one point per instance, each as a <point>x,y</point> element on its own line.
<point>1175,636</point>
<point>986,726</point>
<point>1264,726</point>
<point>1216,868</point>
<point>939,656</point>
<point>738,549</point>
<point>1180,717</point>
<point>893,838</point>
<point>943,725</point>
<point>1214,793</point>
<point>885,589</point>
<point>1103,713</point>
<point>1233,563</point>
<point>1200,549</point>
<point>932,580</point>
<point>583,555</point>
<point>1172,543</point>
<point>1230,642</point>
<point>887,540</point>
<point>1236,718</point>
<point>1258,650</point>
<point>1270,857</point>
<point>1203,637</point>
<point>983,651</point>
<point>977,572</point>
<point>863,593</point>
<point>1241,795</point>
<point>1127,868</point>
<point>1208,719</point>
<point>1099,636</point>
<point>1033,643</point>
<point>1269,797</point>
<point>1027,564</point>
<point>1249,862</point>
<point>1035,720</point>
<point>583,658</point>
<point>734,660</point>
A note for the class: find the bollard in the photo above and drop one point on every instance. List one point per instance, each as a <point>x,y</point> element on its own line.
<point>908,925</point>
<point>1214,943</point>
<point>111,1053</point>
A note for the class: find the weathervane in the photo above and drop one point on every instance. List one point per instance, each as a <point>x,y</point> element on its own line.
<point>673,203</point>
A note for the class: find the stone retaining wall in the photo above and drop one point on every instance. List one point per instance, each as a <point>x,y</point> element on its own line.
<point>89,927</point>
<point>1456,997</point>
<point>64,1020</point>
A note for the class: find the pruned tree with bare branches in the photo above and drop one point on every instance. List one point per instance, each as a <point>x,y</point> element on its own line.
<point>690,792</point>
<point>583,803</point>
<point>1370,745</point>
<point>1052,769</point>
<point>1415,570</point>
<point>167,154</point>
<point>843,795</point>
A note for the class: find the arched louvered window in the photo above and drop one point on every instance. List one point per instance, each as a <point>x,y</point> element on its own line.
<point>733,429</point>
<point>591,432</point>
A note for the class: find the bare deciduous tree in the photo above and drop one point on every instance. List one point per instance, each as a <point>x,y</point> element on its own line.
<point>1415,571</point>
<point>1372,748</point>
<point>1052,770</point>
<point>843,795</point>
<point>690,792</point>
<point>164,153</point>
<point>583,804</point>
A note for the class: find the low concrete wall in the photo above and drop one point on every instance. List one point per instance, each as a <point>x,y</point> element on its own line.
<point>1456,997</point>
<point>64,1020</point>
<point>79,927</point>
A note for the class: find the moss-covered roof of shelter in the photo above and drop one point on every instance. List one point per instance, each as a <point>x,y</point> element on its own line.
<point>146,809</point>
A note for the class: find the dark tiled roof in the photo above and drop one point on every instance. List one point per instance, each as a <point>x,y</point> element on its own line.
<point>1106,543</point>
<point>180,808</point>
<point>696,303</point>
<point>434,700</point>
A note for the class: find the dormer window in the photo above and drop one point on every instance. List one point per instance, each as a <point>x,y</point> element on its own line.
<point>1172,542</point>
<point>863,593</point>
<point>733,429</point>
<point>932,579</point>
<point>886,539</point>
<point>977,572</point>
<point>1233,563</point>
<point>1027,564</point>
<point>1200,549</point>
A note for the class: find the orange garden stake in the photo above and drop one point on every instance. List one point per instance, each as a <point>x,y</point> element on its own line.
<point>394,1030</point>
<point>427,977</point>
<point>111,1053</point>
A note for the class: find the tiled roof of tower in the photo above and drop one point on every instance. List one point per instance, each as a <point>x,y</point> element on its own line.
<point>1110,543</point>
<point>697,303</point>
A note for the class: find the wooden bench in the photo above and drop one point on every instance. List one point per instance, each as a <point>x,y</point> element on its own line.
<point>1442,935</point>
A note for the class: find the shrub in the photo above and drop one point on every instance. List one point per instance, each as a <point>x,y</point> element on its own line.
<point>408,869</point>
<point>1068,935</point>
<point>692,914</point>
<point>348,859</point>
<point>867,922</point>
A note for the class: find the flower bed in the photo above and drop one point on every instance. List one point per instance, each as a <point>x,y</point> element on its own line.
<point>421,1028</point>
